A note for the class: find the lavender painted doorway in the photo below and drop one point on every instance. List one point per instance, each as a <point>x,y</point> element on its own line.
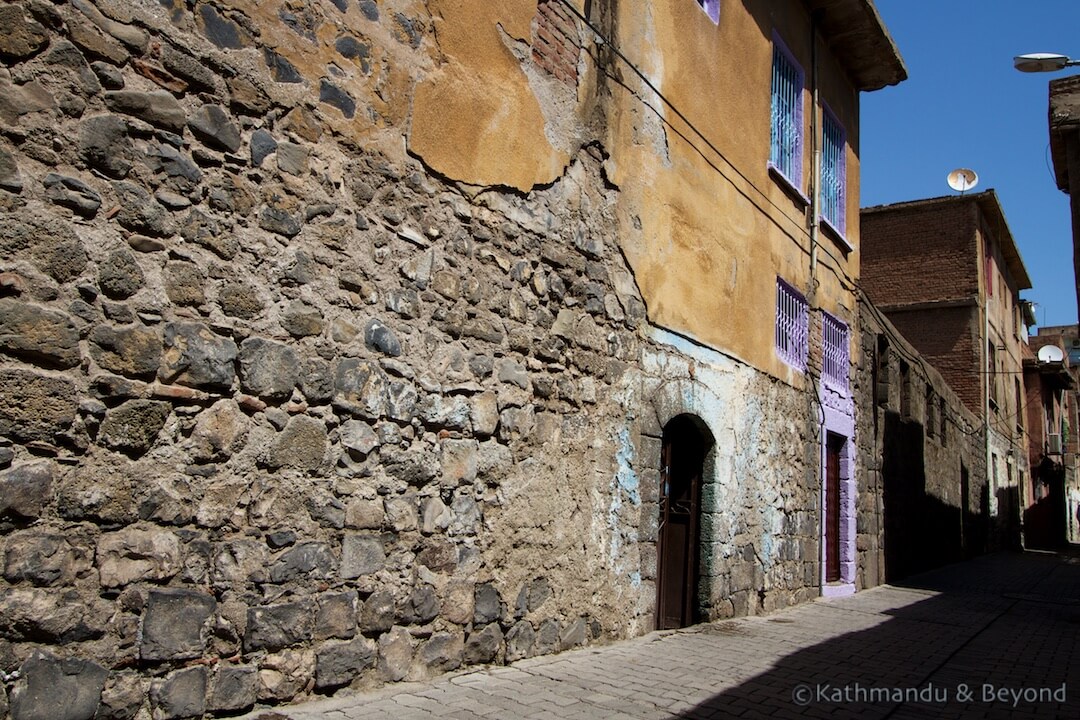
<point>838,520</point>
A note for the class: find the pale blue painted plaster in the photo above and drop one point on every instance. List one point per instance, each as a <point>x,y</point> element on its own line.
<point>691,348</point>
<point>625,476</point>
<point>627,488</point>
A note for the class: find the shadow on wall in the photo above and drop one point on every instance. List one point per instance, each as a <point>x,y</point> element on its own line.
<point>1045,526</point>
<point>921,531</point>
<point>948,639</point>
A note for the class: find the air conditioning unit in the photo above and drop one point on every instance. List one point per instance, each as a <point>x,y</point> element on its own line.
<point>1053,443</point>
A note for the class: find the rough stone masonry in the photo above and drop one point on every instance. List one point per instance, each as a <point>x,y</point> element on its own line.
<point>281,412</point>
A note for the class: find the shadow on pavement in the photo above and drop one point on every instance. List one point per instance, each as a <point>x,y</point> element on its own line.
<point>995,637</point>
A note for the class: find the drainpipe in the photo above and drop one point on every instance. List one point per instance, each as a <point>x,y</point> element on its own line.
<point>815,154</point>
<point>986,396</point>
<point>815,222</point>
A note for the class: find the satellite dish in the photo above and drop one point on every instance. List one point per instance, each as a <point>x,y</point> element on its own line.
<point>1050,353</point>
<point>963,180</point>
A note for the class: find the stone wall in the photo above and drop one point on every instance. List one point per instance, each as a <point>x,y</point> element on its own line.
<point>283,412</point>
<point>923,491</point>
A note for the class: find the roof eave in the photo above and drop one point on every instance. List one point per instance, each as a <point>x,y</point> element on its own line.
<point>856,34</point>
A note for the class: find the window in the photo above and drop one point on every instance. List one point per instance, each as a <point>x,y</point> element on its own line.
<point>834,351</point>
<point>711,8</point>
<point>1019,406</point>
<point>905,391</point>
<point>931,410</point>
<point>881,372</point>
<point>833,173</point>
<point>792,325</point>
<point>942,420</point>
<point>991,373</point>
<point>785,152</point>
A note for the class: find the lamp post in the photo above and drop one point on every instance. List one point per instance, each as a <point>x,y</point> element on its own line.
<point>1064,134</point>
<point>1043,62</point>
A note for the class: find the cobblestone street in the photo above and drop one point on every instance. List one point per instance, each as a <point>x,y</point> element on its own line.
<point>995,637</point>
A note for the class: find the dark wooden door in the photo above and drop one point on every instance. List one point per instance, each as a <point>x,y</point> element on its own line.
<point>682,463</point>
<point>834,445</point>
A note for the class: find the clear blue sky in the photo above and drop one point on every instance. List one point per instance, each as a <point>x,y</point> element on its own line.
<point>963,105</point>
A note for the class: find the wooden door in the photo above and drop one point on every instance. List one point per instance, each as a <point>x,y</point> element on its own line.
<point>834,445</point>
<point>682,463</point>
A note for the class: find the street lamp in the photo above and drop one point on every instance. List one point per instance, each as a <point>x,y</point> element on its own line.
<point>1043,62</point>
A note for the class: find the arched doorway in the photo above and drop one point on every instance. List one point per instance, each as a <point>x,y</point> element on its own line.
<point>682,464</point>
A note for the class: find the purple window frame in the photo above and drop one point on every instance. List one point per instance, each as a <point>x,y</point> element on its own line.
<point>792,332</point>
<point>786,115</point>
<point>835,352</point>
<point>712,9</point>
<point>833,172</point>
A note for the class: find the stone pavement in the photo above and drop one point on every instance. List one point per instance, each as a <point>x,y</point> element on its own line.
<point>995,637</point>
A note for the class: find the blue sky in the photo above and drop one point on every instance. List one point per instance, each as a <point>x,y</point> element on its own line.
<point>963,105</point>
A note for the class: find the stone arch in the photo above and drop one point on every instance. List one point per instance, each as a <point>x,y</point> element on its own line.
<point>690,400</point>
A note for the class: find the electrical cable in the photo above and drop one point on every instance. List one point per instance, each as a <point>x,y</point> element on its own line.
<point>835,266</point>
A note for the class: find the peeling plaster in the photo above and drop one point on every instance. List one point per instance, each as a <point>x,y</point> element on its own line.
<point>461,126</point>
<point>626,488</point>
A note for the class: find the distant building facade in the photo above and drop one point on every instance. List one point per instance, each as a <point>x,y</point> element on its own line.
<point>1052,389</point>
<point>947,273</point>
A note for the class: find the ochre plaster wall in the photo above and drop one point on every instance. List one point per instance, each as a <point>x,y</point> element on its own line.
<point>475,118</point>
<point>703,223</point>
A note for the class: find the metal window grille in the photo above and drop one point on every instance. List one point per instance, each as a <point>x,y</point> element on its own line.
<point>711,8</point>
<point>833,173</point>
<point>785,153</point>
<point>792,326</point>
<point>834,350</point>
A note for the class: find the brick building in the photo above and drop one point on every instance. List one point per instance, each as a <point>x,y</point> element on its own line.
<point>1052,388</point>
<point>948,275</point>
<point>924,449</point>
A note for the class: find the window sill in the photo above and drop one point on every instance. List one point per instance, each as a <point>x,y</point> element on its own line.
<point>789,363</point>
<point>837,236</point>
<point>789,187</point>
<point>836,386</point>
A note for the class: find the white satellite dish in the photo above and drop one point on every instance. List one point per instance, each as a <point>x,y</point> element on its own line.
<point>963,180</point>
<point>1050,353</point>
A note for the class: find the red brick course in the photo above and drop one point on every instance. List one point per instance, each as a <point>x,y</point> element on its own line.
<point>556,44</point>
